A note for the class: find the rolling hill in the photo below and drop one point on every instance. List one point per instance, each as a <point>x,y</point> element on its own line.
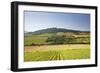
<point>53,30</point>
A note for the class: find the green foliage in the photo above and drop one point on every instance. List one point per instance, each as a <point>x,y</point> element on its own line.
<point>67,40</point>
<point>56,39</point>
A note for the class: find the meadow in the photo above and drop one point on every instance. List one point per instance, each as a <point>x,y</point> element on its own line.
<point>68,38</point>
<point>57,46</point>
<point>56,52</point>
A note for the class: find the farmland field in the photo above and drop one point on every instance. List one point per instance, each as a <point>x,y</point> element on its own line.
<point>56,52</point>
<point>70,38</point>
<point>56,46</point>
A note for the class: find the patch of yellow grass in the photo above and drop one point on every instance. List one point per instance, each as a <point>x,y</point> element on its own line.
<point>56,47</point>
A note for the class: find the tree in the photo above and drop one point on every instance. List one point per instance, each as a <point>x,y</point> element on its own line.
<point>56,39</point>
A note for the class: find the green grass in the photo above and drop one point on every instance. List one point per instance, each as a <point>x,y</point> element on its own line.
<point>39,39</point>
<point>65,54</point>
<point>35,39</point>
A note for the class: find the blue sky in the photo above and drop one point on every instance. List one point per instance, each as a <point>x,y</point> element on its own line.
<point>35,20</point>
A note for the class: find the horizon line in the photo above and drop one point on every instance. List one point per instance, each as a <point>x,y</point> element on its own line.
<point>59,28</point>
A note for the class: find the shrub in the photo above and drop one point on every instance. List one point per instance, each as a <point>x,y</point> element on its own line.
<point>56,39</point>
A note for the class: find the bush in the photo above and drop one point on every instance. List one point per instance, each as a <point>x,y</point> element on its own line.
<point>33,44</point>
<point>56,39</point>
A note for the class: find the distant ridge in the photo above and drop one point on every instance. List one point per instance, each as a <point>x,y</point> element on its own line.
<point>54,30</point>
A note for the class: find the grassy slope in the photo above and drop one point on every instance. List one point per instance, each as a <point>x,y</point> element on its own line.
<point>66,54</point>
<point>63,54</point>
<point>41,38</point>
